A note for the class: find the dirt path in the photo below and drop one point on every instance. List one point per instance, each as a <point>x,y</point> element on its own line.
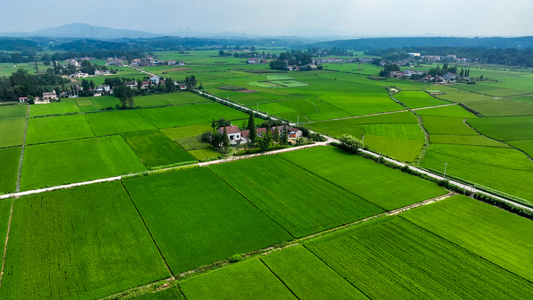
<point>23,147</point>
<point>5,245</point>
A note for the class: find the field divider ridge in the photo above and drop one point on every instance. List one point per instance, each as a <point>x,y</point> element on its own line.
<point>149,232</point>
<point>279,278</point>
<point>22,149</point>
<point>5,246</point>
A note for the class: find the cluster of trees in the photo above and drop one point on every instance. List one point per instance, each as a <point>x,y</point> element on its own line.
<point>23,84</point>
<point>501,56</point>
<point>316,51</point>
<point>293,57</point>
<point>442,71</point>
<point>125,95</point>
<point>389,68</point>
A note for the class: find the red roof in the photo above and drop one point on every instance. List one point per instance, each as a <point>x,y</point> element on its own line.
<point>231,129</point>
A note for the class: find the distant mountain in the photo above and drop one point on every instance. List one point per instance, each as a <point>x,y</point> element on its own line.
<point>401,42</point>
<point>85,31</point>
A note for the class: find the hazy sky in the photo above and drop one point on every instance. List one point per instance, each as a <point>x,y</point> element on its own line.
<point>280,17</point>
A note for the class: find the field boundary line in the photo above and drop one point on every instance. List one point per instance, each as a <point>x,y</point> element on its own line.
<point>345,279</point>
<point>467,250</point>
<point>59,187</point>
<point>500,141</point>
<point>22,149</point>
<point>278,247</point>
<point>5,246</point>
<point>149,232</point>
<point>279,278</point>
<point>253,204</point>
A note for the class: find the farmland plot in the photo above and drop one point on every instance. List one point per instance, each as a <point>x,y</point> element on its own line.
<point>59,249</point>
<point>378,184</point>
<point>492,233</point>
<point>55,108</point>
<point>300,201</point>
<point>391,256</point>
<point>210,111</point>
<point>501,107</point>
<point>13,111</point>
<point>308,277</point>
<point>447,125</point>
<point>107,123</point>
<point>446,111</point>
<point>171,116</point>
<point>504,169</point>
<point>169,99</point>
<point>400,149</point>
<point>505,128</point>
<point>197,219</point>
<point>524,145</point>
<point>247,280</point>
<point>62,128</point>
<point>172,293</point>
<point>417,99</point>
<point>122,158</point>
<point>66,162</point>
<point>12,132</point>
<point>156,149</point>
<point>9,166</point>
<point>5,212</point>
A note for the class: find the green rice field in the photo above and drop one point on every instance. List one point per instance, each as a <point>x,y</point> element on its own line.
<point>13,132</point>
<point>62,128</point>
<point>113,122</point>
<point>9,166</point>
<point>13,111</point>
<point>54,108</point>
<point>187,210</point>
<point>57,242</point>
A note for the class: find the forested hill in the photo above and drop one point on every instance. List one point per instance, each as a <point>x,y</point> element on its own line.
<point>399,42</point>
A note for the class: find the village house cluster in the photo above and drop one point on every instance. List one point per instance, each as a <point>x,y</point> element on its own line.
<point>237,136</point>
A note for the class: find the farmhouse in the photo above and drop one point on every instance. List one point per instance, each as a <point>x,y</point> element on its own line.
<point>234,133</point>
<point>79,75</point>
<point>130,84</point>
<point>23,99</point>
<point>99,72</point>
<point>39,100</point>
<point>103,88</point>
<point>154,79</point>
<point>47,96</point>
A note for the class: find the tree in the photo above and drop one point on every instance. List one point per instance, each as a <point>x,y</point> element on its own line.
<point>125,95</point>
<point>169,84</point>
<point>276,134</point>
<point>285,135</point>
<point>190,82</point>
<point>225,138</point>
<point>350,142</point>
<point>251,126</point>
<point>214,126</point>
<point>265,141</point>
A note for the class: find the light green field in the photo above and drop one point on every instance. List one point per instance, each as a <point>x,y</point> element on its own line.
<point>107,123</point>
<point>447,125</point>
<point>75,243</point>
<point>505,128</point>
<point>197,219</point>
<point>299,201</point>
<point>54,108</point>
<point>472,140</point>
<point>400,149</point>
<point>503,169</point>
<point>524,145</point>
<point>171,116</point>
<point>492,233</point>
<point>169,99</point>
<point>210,111</point>
<point>417,99</point>
<point>378,184</point>
<point>12,132</point>
<point>13,111</point>
<point>308,277</point>
<point>501,107</point>
<point>9,166</point>
<point>402,131</point>
<point>247,280</point>
<point>206,153</point>
<point>62,128</point>
<point>391,256</point>
<point>156,149</point>
<point>186,131</point>
<point>122,158</point>
<point>64,162</point>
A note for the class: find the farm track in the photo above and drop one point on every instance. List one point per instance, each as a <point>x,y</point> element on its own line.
<point>5,245</point>
<point>23,147</point>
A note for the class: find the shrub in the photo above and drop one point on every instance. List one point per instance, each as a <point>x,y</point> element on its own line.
<point>235,258</point>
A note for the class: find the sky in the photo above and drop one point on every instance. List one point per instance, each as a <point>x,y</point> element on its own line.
<point>351,18</point>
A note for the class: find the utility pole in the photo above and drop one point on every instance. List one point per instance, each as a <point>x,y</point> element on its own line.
<point>445,165</point>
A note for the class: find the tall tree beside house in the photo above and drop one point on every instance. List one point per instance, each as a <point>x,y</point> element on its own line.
<point>214,126</point>
<point>225,138</point>
<point>125,95</point>
<point>284,135</point>
<point>251,126</point>
<point>462,72</point>
<point>276,134</point>
<point>265,141</point>
<point>190,82</point>
<point>91,84</point>
<point>169,84</point>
